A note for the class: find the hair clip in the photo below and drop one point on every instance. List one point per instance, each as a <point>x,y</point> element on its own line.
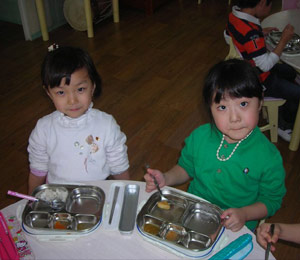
<point>53,47</point>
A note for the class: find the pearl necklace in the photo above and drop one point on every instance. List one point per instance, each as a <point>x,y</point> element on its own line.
<point>236,146</point>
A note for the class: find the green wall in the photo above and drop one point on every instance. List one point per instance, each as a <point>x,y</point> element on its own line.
<point>9,11</point>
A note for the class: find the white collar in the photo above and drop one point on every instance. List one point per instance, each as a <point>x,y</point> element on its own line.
<point>236,12</point>
<point>70,122</point>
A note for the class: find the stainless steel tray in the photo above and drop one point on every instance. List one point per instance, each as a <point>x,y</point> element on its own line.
<point>191,226</point>
<point>291,48</point>
<point>81,214</point>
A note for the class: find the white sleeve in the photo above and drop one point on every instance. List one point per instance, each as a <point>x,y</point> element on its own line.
<point>37,149</point>
<point>116,149</point>
<point>266,61</point>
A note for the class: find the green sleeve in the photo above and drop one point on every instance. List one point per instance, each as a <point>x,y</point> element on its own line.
<point>272,185</point>
<point>186,160</point>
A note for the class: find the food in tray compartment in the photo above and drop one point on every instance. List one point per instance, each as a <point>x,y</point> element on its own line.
<point>173,232</point>
<point>84,226</point>
<point>172,235</point>
<point>164,205</point>
<point>62,221</point>
<point>49,195</point>
<point>60,225</point>
<point>151,229</point>
<point>84,222</point>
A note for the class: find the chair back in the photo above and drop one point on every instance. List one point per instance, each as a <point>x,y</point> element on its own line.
<point>233,51</point>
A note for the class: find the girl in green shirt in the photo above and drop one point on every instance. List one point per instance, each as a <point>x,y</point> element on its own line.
<point>229,161</point>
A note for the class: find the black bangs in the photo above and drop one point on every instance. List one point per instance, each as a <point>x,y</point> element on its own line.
<point>63,62</point>
<point>54,79</point>
<point>237,90</point>
<point>60,64</point>
<point>235,78</point>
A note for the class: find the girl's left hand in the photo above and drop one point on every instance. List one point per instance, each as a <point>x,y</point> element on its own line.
<point>234,219</point>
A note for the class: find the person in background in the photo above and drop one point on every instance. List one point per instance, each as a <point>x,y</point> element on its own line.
<point>75,143</point>
<point>287,232</point>
<point>226,159</point>
<point>279,79</point>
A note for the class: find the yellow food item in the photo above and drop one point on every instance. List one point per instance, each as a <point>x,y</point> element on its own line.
<point>164,205</point>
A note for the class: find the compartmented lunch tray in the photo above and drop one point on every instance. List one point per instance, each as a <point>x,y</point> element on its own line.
<point>191,226</point>
<point>291,48</point>
<point>80,214</point>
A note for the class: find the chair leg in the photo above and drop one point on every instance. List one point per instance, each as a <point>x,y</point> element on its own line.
<point>264,112</point>
<point>273,121</point>
<point>270,112</point>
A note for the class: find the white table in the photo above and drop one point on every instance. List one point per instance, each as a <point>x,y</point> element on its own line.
<point>280,20</point>
<point>110,244</point>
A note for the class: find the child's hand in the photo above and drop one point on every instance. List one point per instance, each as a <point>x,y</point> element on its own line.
<point>150,185</point>
<point>263,236</point>
<point>234,219</point>
<point>287,33</point>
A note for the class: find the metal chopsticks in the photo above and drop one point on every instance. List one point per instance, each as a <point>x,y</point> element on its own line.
<point>113,206</point>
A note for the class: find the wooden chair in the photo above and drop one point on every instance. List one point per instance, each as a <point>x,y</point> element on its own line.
<point>270,106</point>
<point>270,113</point>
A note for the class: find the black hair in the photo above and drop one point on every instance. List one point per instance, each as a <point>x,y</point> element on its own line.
<point>250,3</point>
<point>63,61</point>
<point>234,77</point>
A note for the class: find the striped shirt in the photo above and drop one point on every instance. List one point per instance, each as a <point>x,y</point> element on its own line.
<point>248,37</point>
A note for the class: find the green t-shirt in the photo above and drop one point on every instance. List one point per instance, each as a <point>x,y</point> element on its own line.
<point>254,173</point>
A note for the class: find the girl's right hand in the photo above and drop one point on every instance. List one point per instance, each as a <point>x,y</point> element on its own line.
<point>263,236</point>
<point>150,185</point>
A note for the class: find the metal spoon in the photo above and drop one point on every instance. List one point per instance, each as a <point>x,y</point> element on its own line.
<point>162,197</point>
<point>54,204</point>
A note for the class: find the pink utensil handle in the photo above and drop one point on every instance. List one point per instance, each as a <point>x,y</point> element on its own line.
<point>20,195</point>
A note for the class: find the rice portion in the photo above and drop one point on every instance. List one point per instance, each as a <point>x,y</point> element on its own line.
<point>51,194</point>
